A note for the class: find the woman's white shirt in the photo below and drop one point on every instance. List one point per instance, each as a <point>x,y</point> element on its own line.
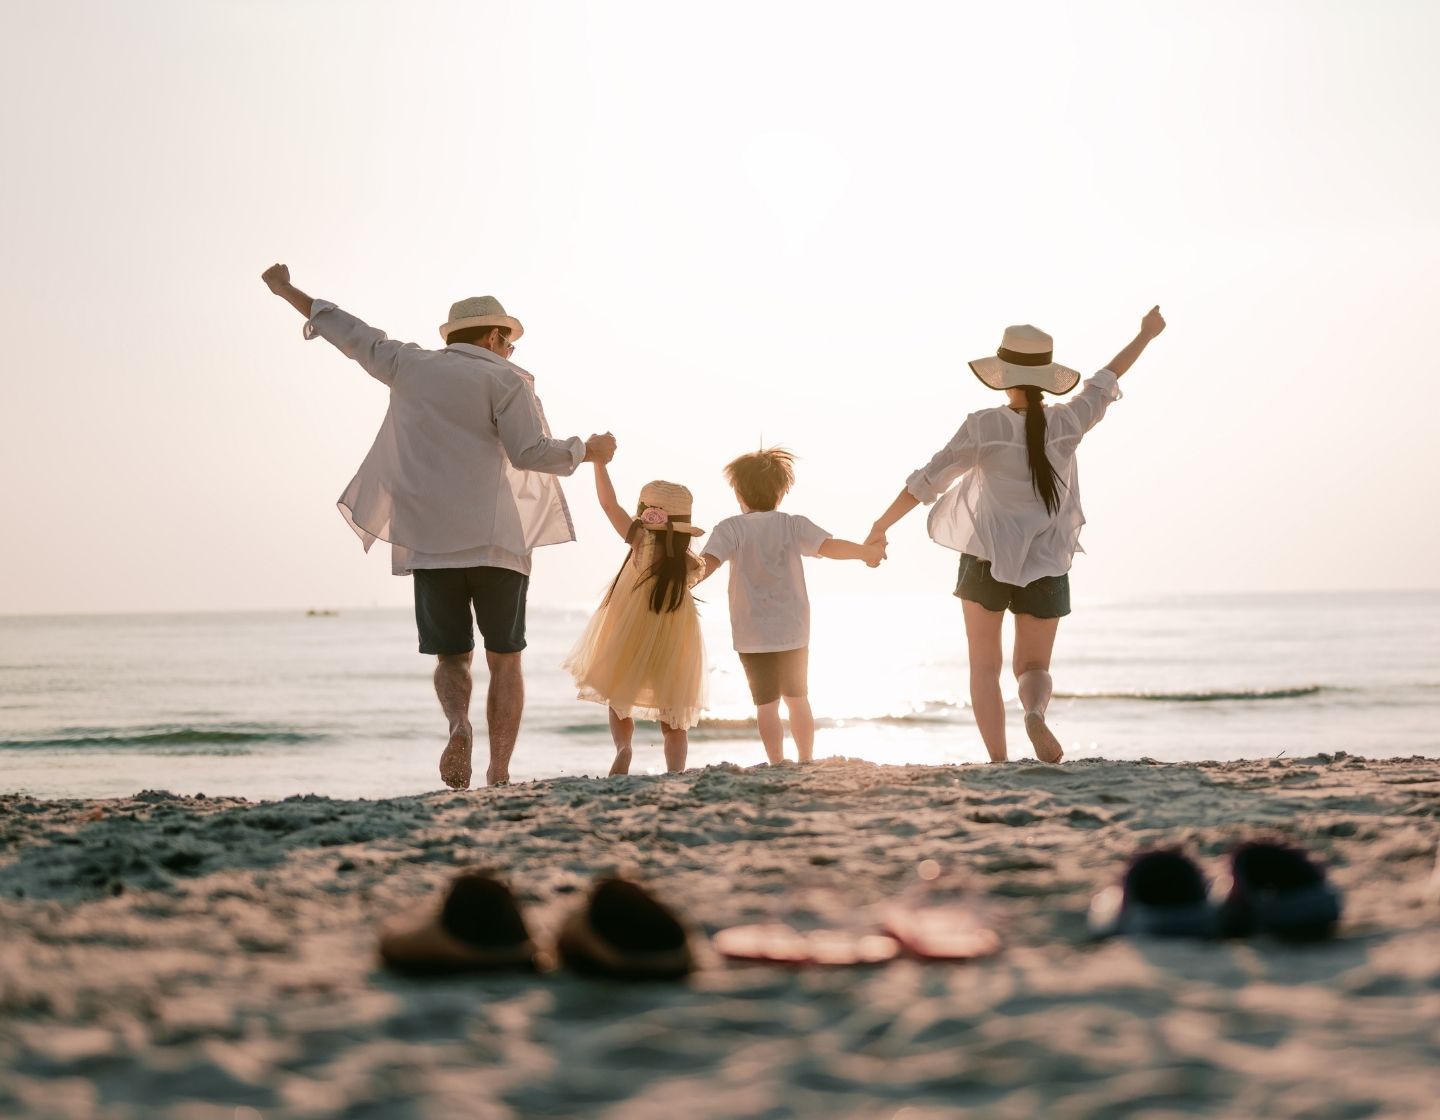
<point>994,512</point>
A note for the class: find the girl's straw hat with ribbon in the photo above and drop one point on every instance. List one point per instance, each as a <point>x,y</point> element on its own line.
<point>667,506</point>
<point>1026,357</point>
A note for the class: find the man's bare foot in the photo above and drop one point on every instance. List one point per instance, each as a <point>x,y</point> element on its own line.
<point>1047,747</point>
<point>621,765</point>
<point>455,759</point>
<point>495,777</point>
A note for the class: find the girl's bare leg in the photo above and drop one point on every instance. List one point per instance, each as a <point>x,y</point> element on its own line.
<point>677,745</point>
<point>1034,641</point>
<point>622,731</point>
<point>802,726</point>
<point>772,734</point>
<point>982,632</point>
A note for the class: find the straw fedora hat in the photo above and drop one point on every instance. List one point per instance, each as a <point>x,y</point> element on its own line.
<point>480,311</point>
<point>667,504</point>
<point>1025,357</point>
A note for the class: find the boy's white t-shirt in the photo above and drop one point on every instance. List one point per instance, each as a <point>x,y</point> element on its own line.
<point>769,609</point>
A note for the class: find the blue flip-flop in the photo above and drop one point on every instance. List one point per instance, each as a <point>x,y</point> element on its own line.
<point>1277,889</point>
<point>1162,894</point>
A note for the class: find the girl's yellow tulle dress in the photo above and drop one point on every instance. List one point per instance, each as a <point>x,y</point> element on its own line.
<point>643,664</point>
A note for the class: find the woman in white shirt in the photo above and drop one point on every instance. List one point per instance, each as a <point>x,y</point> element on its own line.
<point>1015,517</point>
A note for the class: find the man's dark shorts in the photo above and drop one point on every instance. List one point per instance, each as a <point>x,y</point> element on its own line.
<point>444,598</point>
<point>773,675</point>
<point>1047,597</point>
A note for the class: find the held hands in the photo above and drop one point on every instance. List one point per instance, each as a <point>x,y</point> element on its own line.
<point>598,448</point>
<point>1153,323</point>
<point>277,276</point>
<point>874,553</point>
<point>877,536</point>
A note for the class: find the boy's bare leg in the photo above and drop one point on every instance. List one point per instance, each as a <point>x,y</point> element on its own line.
<point>503,707</point>
<point>772,734</point>
<point>622,731</point>
<point>1034,641</point>
<point>802,726</point>
<point>452,687</point>
<point>982,632</point>
<point>677,746</point>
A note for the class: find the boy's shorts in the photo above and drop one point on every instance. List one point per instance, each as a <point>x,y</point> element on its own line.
<point>444,598</point>
<point>773,675</point>
<point>1046,597</point>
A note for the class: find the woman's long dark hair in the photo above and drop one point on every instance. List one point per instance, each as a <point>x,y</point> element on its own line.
<point>1042,473</point>
<point>670,571</point>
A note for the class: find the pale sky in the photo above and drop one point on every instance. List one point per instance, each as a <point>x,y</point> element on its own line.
<point>788,221</point>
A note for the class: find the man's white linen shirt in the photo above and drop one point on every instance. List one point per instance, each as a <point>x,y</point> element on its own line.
<point>994,513</point>
<point>462,471</point>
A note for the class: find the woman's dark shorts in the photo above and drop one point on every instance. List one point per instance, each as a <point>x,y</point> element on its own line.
<point>1047,597</point>
<point>444,598</point>
<point>773,675</point>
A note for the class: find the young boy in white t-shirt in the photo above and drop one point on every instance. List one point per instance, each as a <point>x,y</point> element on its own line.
<point>769,609</point>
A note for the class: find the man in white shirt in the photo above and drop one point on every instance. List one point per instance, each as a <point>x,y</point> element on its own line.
<point>460,481</point>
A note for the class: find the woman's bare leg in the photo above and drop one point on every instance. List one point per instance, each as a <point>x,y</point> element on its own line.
<point>772,734</point>
<point>677,745</point>
<point>802,726</point>
<point>982,632</point>
<point>1034,641</point>
<point>622,731</point>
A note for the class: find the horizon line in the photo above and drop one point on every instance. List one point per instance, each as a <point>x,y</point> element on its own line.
<point>586,605</point>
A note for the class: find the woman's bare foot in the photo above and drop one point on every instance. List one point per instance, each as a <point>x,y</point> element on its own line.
<point>621,765</point>
<point>455,759</point>
<point>1047,747</point>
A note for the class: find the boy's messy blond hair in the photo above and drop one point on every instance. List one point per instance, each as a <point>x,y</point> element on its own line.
<point>762,477</point>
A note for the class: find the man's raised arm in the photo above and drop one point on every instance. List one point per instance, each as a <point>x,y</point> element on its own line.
<point>277,279</point>
<point>377,354</point>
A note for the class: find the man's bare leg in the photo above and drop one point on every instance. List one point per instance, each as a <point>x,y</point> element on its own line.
<point>452,686</point>
<point>677,746</point>
<point>982,632</point>
<point>503,706</point>
<point>772,734</point>
<point>1034,641</point>
<point>622,731</point>
<point>802,726</point>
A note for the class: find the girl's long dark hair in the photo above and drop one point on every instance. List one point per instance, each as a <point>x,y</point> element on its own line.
<point>670,571</point>
<point>1042,473</point>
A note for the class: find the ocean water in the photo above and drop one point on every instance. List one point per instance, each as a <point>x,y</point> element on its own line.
<point>275,704</point>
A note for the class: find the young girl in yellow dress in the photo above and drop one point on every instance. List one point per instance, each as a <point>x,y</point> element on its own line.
<point>642,653</point>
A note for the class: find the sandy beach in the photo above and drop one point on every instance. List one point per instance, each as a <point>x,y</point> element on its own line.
<point>207,958</point>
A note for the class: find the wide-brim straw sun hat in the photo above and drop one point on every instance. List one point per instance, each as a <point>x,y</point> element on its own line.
<point>1026,357</point>
<point>671,500</point>
<point>480,311</point>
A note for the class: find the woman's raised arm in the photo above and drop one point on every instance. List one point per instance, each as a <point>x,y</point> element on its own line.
<point>1150,326</point>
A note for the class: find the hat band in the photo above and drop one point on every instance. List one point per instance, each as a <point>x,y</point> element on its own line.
<point>672,521</point>
<point>1015,358</point>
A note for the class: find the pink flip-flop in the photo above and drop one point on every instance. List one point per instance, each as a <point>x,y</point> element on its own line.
<point>778,943</point>
<point>941,933</point>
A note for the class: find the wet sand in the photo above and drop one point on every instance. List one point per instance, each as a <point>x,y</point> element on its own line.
<point>213,959</point>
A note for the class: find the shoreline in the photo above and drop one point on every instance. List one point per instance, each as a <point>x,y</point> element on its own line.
<point>188,957</point>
